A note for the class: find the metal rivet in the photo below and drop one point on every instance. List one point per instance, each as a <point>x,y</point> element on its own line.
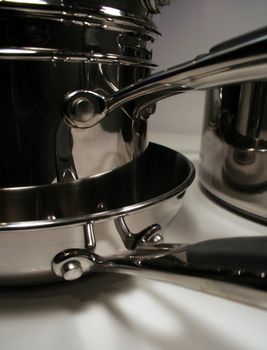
<point>83,109</point>
<point>72,270</point>
<point>156,238</point>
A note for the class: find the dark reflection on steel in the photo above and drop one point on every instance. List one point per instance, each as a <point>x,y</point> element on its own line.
<point>49,49</point>
<point>234,147</point>
<point>159,173</point>
<point>65,166</point>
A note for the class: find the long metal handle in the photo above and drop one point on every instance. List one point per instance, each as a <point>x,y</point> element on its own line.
<point>242,59</point>
<point>233,268</point>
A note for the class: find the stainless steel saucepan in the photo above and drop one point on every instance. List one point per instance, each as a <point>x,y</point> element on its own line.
<point>49,49</point>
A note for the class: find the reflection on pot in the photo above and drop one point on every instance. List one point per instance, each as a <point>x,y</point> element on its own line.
<point>234,147</point>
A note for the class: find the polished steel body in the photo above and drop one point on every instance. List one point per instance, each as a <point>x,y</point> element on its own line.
<point>109,213</point>
<point>233,164</point>
<point>49,49</point>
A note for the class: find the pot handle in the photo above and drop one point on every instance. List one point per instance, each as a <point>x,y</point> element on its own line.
<point>233,268</point>
<point>241,59</point>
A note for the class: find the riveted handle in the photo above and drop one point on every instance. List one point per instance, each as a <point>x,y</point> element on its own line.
<point>242,59</point>
<point>233,268</point>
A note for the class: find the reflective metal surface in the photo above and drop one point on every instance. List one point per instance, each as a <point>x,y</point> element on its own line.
<point>71,120</point>
<point>45,150</point>
<point>153,6</point>
<point>235,116</point>
<point>243,60</point>
<point>139,197</point>
<point>236,265</point>
<point>158,174</point>
<point>233,164</point>
<point>234,148</point>
<point>49,49</point>
<point>108,14</point>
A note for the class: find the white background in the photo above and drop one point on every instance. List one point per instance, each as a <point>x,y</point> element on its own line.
<point>189,28</point>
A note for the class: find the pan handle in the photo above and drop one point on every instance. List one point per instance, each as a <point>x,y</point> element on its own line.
<point>239,60</point>
<point>233,268</point>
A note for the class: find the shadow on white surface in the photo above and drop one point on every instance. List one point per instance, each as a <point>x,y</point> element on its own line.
<point>109,311</point>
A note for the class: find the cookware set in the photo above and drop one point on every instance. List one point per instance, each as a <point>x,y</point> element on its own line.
<point>81,188</point>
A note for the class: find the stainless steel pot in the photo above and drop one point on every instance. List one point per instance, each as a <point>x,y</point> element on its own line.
<point>233,164</point>
<point>48,49</point>
<point>47,219</point>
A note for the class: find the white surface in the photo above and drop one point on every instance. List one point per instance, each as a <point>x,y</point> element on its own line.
<point>190,28</point>
<point>118,312</point>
